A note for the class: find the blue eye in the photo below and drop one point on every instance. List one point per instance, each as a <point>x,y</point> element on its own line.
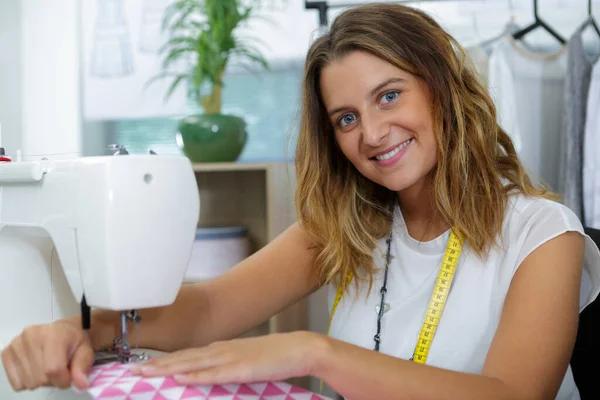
<point>389,97</point>
<point>346,119</point>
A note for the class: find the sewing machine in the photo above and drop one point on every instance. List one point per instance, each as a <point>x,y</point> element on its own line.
<point>113,232</point>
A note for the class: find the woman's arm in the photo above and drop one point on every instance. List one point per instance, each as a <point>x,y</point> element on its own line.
<point>259,287</point>
<point>527,359</point>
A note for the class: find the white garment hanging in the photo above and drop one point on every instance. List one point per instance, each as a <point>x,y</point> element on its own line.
<point>527,89</point>
<point>577,83</point>
<point>502,89</point>
<point>480,60</point>
<point>591,154</point>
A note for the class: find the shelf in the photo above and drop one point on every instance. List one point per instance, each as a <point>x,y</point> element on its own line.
<point>259,197</point>
<point>232,166</point>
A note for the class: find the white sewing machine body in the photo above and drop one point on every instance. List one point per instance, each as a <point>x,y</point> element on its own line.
<point>117,229</point>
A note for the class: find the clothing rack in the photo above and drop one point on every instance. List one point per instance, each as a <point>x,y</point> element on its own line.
<point>323,7</point>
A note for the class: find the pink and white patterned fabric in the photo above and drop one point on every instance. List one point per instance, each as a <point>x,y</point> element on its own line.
<point>114,381</point>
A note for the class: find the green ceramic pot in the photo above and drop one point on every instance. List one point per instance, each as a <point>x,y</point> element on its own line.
<point>212,137</point>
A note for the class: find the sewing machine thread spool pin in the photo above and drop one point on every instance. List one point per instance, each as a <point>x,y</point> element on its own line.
<point>118,149</point>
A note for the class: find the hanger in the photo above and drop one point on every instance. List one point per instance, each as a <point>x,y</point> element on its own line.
<point>591,21</point>
<point>510,28</point>
<point>537,23</point>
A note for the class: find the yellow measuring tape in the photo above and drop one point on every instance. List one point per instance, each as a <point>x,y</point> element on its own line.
<point>436,303</point>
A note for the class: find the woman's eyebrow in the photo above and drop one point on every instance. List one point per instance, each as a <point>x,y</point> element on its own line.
<point>384,84</point>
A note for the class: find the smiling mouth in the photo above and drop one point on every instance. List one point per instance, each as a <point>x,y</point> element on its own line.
<point>393,152</point>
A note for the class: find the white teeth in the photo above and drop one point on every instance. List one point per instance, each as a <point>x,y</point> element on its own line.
<point>393,152</point>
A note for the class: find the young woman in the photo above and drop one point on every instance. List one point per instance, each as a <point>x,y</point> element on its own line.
<point>451,276</point>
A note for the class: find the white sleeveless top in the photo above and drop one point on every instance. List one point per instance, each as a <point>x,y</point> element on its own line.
<point>477,295</point>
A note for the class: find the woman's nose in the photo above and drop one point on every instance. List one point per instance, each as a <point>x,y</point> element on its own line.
<point>374,131</point>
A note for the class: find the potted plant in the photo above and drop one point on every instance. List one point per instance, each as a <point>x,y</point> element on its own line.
<point>202,39</point>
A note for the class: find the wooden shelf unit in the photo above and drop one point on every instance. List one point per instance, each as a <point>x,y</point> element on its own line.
<point>261,198</point>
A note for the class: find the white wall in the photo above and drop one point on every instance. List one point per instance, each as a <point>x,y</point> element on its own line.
<point>50,78</point>
<point>39,77</point>
<point>10,74</point>
<point>286,31</point>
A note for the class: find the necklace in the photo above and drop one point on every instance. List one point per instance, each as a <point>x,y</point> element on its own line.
<point>383,291</point>
<point>436,303</point>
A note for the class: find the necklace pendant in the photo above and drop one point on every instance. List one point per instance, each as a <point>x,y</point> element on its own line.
<point>386,308</point>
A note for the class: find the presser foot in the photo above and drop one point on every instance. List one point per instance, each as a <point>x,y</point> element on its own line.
<point>105,357</point>
<point>121,350</point>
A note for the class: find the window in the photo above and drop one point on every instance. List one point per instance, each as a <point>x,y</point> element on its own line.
<point>267,100</point>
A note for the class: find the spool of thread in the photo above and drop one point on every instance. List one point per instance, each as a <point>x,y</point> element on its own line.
<point>3,156</point>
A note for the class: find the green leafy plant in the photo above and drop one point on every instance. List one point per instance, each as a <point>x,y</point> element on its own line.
<point>202,37</point>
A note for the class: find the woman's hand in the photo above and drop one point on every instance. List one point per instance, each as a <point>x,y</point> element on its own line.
<point>273,357</point>
<point>57,355</point>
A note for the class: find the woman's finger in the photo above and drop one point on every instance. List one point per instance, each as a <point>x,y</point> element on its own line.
<point>35,359</point>
<point>183,355</point>
<point>12,372</point>
<point>176,357</point>
<point>161,362</point>
<point>193,362</point>
<point>81,363</point>
<point>23,366</point>
<point>224,374</point>
<point>56,366</point>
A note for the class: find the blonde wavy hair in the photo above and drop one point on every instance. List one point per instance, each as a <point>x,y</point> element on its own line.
<point>477,167</point>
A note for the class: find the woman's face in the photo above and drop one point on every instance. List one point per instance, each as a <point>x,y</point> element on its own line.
<point>382,119</point>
